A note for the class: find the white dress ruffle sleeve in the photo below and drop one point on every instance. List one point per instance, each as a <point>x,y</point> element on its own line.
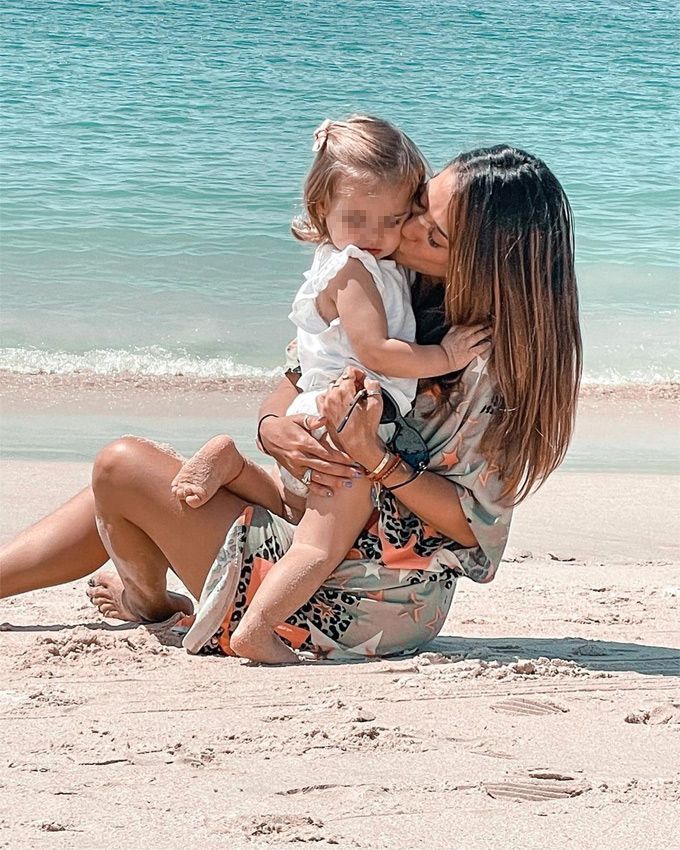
<point>324,349</point>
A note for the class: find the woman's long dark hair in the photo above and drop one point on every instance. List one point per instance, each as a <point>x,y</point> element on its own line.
<point>511,262</point>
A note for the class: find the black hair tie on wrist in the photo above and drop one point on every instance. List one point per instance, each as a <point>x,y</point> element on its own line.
<point>415,475</point>
<point>258,438</point>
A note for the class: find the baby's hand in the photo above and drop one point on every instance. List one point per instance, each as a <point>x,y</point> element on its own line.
<point>465,342</point>
<point>213,466</point>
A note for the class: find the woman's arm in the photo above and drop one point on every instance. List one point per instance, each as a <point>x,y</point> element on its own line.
<point>430,496</point>
<point>286,439</point>
<point>280,398</point>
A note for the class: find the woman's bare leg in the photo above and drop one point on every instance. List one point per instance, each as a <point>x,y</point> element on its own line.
<point>62,547</point>
<point>145,528</point>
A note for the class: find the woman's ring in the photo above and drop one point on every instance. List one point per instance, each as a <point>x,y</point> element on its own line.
<point>307,477</point>
<point>305,423</point>
<point>374,392</point>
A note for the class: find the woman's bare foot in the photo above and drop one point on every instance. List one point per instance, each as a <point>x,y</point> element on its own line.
<point>107,593</point>
<point>218,463</point>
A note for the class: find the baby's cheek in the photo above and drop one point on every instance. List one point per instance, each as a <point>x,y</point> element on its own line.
<point>394,239</point>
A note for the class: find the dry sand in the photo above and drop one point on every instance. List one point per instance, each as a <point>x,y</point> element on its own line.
<point>546,714</point>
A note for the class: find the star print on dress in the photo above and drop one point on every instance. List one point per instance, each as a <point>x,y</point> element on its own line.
<point>484,476</point>
<point>367,649</point>
<point>404,557</point>
<point>479,367</point>
<point>450,459</point>
<point>323,608</point>
<point>413,609</point>
<point>372,569</point>
<point>435,623</point>
<point>324,646</point>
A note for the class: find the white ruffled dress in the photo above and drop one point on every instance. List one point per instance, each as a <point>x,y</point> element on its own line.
<point>324,349</point>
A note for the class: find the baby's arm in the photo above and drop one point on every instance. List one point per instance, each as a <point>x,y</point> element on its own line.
<point>362,315</point>
<point>327,531</point>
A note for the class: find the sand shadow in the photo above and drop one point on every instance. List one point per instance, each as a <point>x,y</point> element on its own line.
<point>162,631</point>
<point>60,627</point>
<point>605,655</point>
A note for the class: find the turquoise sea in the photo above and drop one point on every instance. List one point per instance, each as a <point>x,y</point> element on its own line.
<point>152,156</point>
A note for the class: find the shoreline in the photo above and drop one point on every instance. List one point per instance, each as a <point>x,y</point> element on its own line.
<point>70,417</point>
<point>15,385</point>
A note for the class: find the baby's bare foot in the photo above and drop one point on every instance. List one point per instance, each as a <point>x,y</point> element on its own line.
<point>214,465</point>
<point>107,593</point>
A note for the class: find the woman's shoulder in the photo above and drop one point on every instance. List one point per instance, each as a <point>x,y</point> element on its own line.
<point>475,391</point>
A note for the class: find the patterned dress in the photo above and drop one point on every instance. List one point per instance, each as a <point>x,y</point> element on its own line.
<point>393,591</point>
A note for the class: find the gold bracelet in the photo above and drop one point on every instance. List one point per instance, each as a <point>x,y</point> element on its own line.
<point>389,469</point>
<point>383,463</point>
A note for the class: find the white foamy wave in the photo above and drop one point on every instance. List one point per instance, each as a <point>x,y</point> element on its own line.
<point>153,361</point>
<point>613,377</point>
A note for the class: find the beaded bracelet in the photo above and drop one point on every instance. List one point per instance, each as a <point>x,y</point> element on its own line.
<point>389,469</point>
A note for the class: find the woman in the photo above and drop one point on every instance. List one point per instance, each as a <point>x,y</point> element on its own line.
<point>492,241</point>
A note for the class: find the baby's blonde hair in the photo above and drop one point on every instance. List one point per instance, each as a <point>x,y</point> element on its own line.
<point>361,149</point>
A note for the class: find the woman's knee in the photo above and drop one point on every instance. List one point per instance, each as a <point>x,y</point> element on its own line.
<point>122,463</point>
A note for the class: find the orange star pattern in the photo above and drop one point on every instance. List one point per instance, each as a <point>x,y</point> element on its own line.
<point>375,595</point>
<point>403,557</point>
<point>450,459</point>
<point>436,621</point>
<point>484,476</point>
<point>414,611</point>
<point>324,609</point>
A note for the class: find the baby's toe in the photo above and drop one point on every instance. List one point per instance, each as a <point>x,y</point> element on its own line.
<point>196,497</point>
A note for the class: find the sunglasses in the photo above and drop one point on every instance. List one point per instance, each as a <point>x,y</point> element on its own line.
<point>406,440</point>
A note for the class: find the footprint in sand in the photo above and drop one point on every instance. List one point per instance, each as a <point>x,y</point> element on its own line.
<point>520,705</point>
<point>283,829</point>
<point>538,785</point>
<point>660,715</point>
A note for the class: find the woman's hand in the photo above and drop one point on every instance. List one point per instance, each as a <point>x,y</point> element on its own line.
<point>359,437</point>
<point>288,440</point>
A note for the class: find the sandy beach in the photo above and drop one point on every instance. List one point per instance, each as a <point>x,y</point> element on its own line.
<point>547,712</point>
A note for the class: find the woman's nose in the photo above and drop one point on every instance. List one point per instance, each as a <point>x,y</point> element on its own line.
<point>409,228</point>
